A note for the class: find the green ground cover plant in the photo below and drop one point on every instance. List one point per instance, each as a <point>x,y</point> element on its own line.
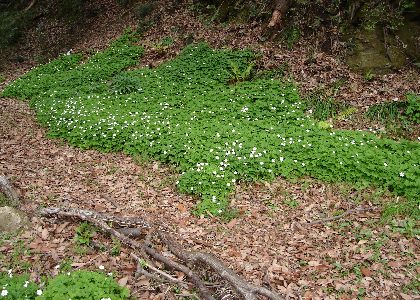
<point>80,284</point>
<point>188,113</point>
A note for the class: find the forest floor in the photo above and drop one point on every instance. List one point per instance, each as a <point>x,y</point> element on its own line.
<point>359,256</point>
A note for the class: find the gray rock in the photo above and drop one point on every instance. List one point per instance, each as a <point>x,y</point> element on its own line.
<point>11,219</point>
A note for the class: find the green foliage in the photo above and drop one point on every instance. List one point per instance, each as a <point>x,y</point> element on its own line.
<point>125,84</point>
<point>403,112</point>
<point>167,41</point>
<point>83,285</point>
<point>16,287</point>
<point>291,36</point>
<point>324,107</point>
<point>384,112</point>
<point>238,75</point>
<point>84,234</point>
<point>407,227</point>
<point>116,247</point>
<point>216,134</point>
<point>3,200</point>
<point>412,111</point>
<point>369,76</point>
<point>345,114</point>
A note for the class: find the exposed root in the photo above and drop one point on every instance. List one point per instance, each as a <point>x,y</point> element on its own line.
<point>183,260</point>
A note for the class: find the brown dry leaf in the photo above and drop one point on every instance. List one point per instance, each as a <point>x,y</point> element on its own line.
<point>407,297</point>
<point>394,264</point>
<point>232,223</point>
<point>366,272</point>
<point>44,234</point>
<point>181,207</point>
<point>313,263</point>
<point>123,281</point>
<point>78,264</point>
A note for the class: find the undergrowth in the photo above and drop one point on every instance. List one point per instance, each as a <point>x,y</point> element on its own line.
<point>188,113</point>
<point>404,112</point>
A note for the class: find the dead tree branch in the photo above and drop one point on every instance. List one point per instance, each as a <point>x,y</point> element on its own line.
<point>90,217</point>
<point>246,290</point>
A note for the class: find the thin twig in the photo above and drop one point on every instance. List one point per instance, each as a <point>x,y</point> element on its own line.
<point>348,212</point>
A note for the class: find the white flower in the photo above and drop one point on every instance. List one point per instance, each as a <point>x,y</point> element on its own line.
<point>25,285</point>
<point>385,164</point>
<point>101,267</point>
<point>402,174</point>
<point>39,292</point>
<point>4,293</point>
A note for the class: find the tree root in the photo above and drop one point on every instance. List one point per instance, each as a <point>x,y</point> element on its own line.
<point>183,258</point>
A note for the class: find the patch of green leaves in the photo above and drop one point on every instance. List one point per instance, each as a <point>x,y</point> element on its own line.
<point>84,234</point>
<point>84,285</point>
<point>407,111</point>
<point>16,287</point>
<point>238,75</point>
<point>216,134</point>
<point>125,84</point>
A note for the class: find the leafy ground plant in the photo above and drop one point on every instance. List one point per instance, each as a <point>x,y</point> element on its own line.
<point>187,114</point>
<point>17,287</point>
<point>84,285</point>
<point>76,285</point>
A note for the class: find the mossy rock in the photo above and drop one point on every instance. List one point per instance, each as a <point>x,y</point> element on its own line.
<point>370,54</point>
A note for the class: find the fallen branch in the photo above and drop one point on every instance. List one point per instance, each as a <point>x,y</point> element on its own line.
<point>7,189</point>
<point>30,5</point>
<point>348,212</point>
<point>246,290</point>
<point>167,277</point>
<point>91,217</point>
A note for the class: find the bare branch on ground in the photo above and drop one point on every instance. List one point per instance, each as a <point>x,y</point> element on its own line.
<point>183,260</point>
